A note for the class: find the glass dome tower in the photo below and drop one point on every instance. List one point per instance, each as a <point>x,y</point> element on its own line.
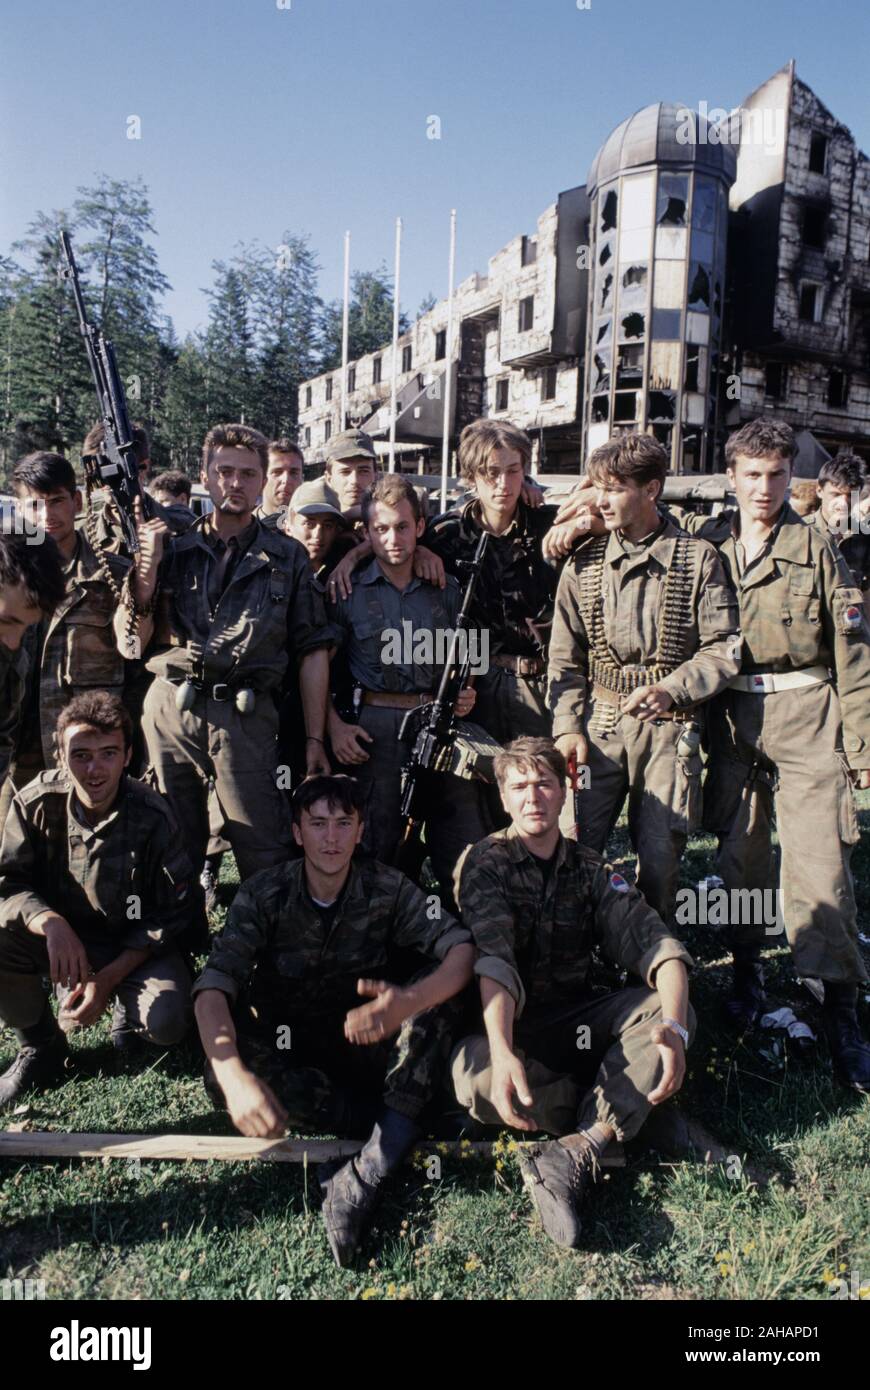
<point>658,190</point>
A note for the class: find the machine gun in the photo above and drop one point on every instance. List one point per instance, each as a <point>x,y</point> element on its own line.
<point>433,729</point>
<point>114,467</point>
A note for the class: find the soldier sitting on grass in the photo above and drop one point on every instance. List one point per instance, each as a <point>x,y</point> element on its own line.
<point>95,890</point>
<point>558,1056</point>
<point>308,1019</point>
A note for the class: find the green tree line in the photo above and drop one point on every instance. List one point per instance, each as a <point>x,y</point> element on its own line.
<point>267,330</point>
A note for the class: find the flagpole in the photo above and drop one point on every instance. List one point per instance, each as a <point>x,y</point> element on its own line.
<point>394,389</point>
<point>345,325</point>
<point>445,443</point>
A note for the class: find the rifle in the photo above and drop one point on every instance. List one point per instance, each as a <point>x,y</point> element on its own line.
<point>576,794</point>
<point>433,728</point>
<point>114,467</point>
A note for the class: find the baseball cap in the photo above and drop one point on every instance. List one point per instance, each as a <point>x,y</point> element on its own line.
<point>316,497</point>
<point>351,444</point>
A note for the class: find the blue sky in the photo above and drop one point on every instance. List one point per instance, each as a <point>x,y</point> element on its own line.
<point>313,117</point>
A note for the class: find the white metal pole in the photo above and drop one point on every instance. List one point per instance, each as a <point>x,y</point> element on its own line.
<point>445,428</point>
<point>394,389</point>
<point>344,332</point>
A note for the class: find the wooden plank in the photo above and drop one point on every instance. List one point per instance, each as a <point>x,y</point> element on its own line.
<point>225,1148</point>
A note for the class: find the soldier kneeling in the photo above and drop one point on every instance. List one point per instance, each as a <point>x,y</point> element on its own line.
<point>95,892</point>
<point>288,1039</point>
<point>557,1056</point>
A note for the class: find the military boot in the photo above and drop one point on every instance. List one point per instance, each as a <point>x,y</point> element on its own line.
<point>40,1059</point>
<point>352,1189</point>
<point>557,1177</point>
<point>748,1000</point>
<point>850,1052</point>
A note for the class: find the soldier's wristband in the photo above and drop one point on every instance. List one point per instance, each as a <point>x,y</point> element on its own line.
<point>677,1028</point>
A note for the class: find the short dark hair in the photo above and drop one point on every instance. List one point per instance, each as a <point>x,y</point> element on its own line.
<point>635,458</point>
<point>38,567</point>
<point>337,790</point>
<point>762,438</point>
<point>100,710</point>
<point>43,472</point>
<point>235,437</point>
<point>844,470</point>
<point>523,754</point>
<point>96,435</point>
<point>286,446</point>
<point>173,481</point>
<point>391,489</point>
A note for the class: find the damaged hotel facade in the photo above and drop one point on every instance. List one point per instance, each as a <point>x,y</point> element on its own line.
<point>714,266</point>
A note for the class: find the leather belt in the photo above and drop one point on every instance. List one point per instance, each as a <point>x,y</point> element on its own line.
<point>612,697</point>
<point>217,690</point>
<point>520,665</point>
<point>769,682</point>
<point>394,699</point>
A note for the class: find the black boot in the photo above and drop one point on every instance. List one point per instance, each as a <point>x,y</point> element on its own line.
<point>40,1058</point>
<point>850,1051</point>
<point>352,1189</point>
<point>748,1000</point>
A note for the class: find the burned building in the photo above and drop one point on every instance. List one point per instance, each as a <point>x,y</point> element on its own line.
<point>714,267</point>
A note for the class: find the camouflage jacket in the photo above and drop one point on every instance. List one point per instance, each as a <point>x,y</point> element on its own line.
<point>13,679</point>
<point>854,546</point>
<point>536,941</point>
<point>74,650</point>
<point>634,583</point>
<point>516,587</point>
<point>271,608</point>
<point>277,954</point>
<point>799,607</point>
<point>126,880</point>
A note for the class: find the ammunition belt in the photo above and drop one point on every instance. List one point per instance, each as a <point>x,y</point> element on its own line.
<point>682,715</point>
<point>624,680</point>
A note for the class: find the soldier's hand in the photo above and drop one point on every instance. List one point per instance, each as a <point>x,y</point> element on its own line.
<point>532,493</point>
<point>67,958</point>
<point>509,1085</point>
<point>429,566</point>
<point>864,780</point>
<point>339,583</point>
<point>573,746</point>
<point>673,1055</point>
<point>346,742</point>
<point>580,499</point>
<point>87,1002</point>
<point>316,761</point>
<point>254,1108</point>
<point>560,539</point>
<point>465,700</point>
<point>370,1023</point>
<point>648,702</point>
<point>152,536</point>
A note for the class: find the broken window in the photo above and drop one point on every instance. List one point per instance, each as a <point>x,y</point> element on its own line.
<point>329,388</point>
<point>717,299</point>
<point>606,252</point>
<point>664,366</point>
<point>662,405</point>
<point>440,344</point>
<point>809,302</point>
<point>702,247</point>
<point>664,434</point>
<point>529,253</point>
<point>625,406</point>
<point>696,367</point>
<point>633,325</point>
<point>629,367</point>
<point>606,292</point>
<point>327,430</point>
<point>634,284</point>
<point>608,211</point>
<point>602,333</point>
<point>501,393</point>
<point>376,371</point>
<point>815,226</point>
<point>351,379</point>
<point>818,153</point>
<point>634,275</point>
<point>600,409</point>
<point>697,327</point>
<point>407,357</point>
<point>548,385</point>
<point>699,286</point>
<point>670,243</point>
<point>704,200</point>
<point>672,198</point>
<point>775,380</point>
<point>601,362</point>
<point>527,313</point>
<point>694,408</point>
<point>308,395</point>
<point>666,323</point>
<point>691,451</point>
<point>838,389</point>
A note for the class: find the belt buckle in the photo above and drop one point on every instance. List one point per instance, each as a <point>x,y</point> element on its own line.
<point>224,690</point>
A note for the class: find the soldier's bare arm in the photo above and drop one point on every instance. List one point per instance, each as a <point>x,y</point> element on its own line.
<point>67,958</point>
<point>672,984</point>
<point>392,1004</point>
<point>348,740</point>
<point>254,1108</point>
<point>509,1081</point>
<point>314,690</point>
<point>89,1000</point>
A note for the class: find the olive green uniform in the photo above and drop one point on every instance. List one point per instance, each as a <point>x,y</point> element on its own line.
<point>657,612</point>
<point>785,736</point>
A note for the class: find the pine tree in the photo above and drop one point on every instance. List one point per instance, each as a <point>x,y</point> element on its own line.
<point>370,318</point>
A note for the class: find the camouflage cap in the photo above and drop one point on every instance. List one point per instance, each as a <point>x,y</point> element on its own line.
<point>316,498</point>
<point>351,444</point>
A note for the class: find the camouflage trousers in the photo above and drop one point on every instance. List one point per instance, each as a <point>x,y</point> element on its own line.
<point>574,1085</point>
<point>154,998</point>
<point>320,1072</point>
<point>782,754</point>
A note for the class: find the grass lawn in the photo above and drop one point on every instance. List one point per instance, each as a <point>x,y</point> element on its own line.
<point>171,1230</point>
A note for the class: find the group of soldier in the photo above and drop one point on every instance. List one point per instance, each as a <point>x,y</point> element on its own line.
<point>232,682</point>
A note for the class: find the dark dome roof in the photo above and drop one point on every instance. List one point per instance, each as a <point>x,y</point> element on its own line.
<point>650,137</point>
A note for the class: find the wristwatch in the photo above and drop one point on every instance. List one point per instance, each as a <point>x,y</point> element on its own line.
<point>677,1028</point>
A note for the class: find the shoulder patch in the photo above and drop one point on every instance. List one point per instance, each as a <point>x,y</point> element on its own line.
<point>618,883</point>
